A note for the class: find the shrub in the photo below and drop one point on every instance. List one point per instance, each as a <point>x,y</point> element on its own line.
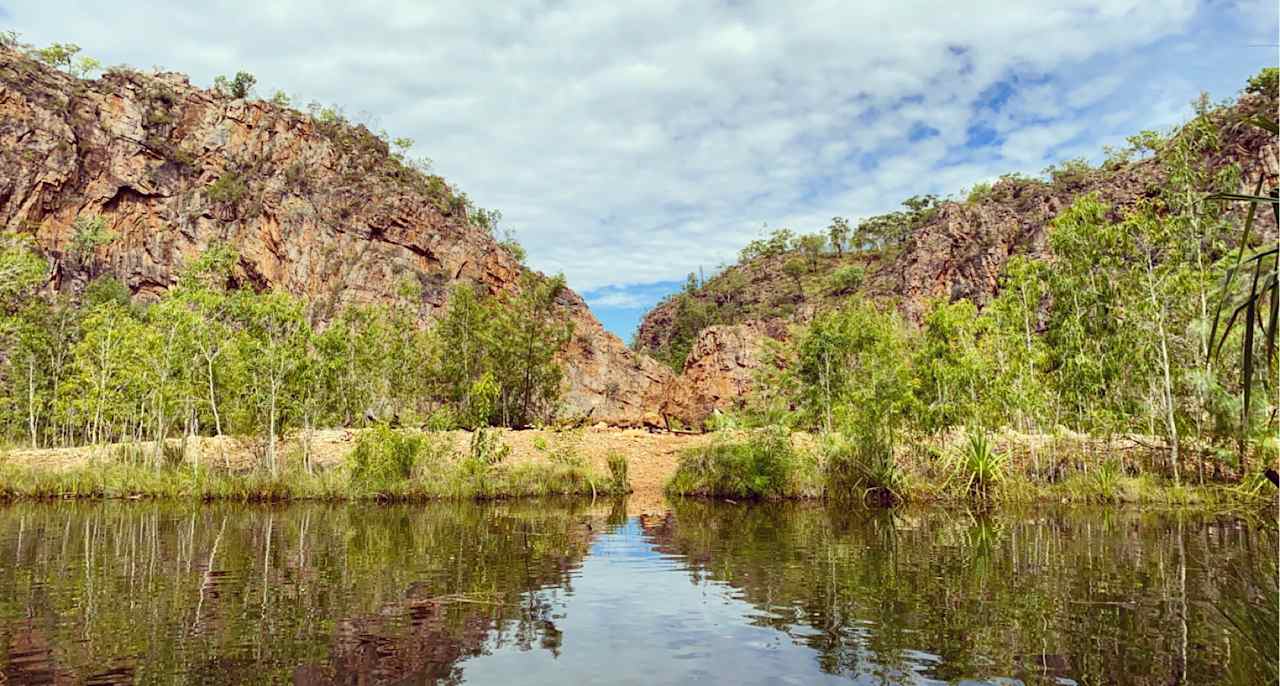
<point>487,447</point>
<point>229,188</point>
<point>619,482</point>
<point>845,280</point>
<point>980,191</point>
<point>383,456</point>
<point>238,86</point>
<point>862,467</point>
<point>760,466</point>
<point>981,468</point>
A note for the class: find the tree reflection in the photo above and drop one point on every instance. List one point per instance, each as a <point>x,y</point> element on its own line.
<point>1090,595</point>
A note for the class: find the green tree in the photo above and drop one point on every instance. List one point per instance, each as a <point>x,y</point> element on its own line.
<point>950,369</point>
<point>273,342</point>
<point>812,246</point>
<point>796,267</point>
<point>239,86</point>
<point>839,232</point>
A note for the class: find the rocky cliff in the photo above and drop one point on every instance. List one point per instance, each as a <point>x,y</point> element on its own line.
<point>313,204</point>
<point>956,250</point>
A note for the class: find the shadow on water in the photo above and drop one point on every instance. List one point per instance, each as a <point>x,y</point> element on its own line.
<point>541,591</point>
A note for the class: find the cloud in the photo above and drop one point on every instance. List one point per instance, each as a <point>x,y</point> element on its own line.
<point>619,298</point>
<point>632,143</point>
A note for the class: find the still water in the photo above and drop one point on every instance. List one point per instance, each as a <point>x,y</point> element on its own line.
<point>567,592</point>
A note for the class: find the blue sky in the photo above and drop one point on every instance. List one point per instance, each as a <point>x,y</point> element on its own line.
<point>630,144</point>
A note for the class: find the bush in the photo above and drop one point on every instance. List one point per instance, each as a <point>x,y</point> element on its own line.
<point>979,467</point>
<point>487,448</point>
<point>441,419</point>
<point>845,280</point>
<point>619,481</point>
<point>763,465</point>
<point>229,188</point>
<point>239,86</point>
<point>862,467</point>
<point>383,457</point>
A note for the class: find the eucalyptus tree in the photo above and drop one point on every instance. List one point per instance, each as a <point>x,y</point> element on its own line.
<point>272,340</point>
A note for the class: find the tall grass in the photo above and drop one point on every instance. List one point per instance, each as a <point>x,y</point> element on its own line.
<point>758,464</point>
<point>385,464</point>
<point>863,468</point>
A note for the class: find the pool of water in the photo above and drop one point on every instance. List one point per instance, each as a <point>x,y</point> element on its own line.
<point>570,592</point>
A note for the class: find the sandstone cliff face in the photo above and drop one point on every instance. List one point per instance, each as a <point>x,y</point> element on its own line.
<point>314,206</point>
<point>961,252</point>
<point>720,371</point>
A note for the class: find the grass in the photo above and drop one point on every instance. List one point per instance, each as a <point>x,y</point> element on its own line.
<point>863,468</point>
<point>384,465</point>
<point>766,464</point>
<point>761,464</point>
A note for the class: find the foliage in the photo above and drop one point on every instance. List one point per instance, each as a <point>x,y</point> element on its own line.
<point>950,368</point>
<point>862,466</point>
<point>383,455</point>
<point>796,268</point>
<point>227,189</point>
<point>846,280</point>
<point>64,56</point>
<point>838,233</point>
<point>239,86</point>
<point>890,230</point>
<point>88,234</point>
<point>777,243</point>
<point>812,246</point>
<point>1069,173</point>
<point>850,366</point>
<point>211,359</point>
<point>979,467</point>
<point>762,464</point>
<point>618,473</point>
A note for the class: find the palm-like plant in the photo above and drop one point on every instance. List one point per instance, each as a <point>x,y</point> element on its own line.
<point>981,467</point>
<point>1261,302</point>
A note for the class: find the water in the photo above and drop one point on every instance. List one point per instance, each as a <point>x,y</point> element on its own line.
<point>565,592</point>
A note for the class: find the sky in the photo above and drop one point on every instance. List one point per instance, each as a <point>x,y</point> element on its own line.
<point>629,144</point>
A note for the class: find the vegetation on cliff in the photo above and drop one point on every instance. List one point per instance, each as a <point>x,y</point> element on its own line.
<point>953,248</point>
<point>1111,336</point>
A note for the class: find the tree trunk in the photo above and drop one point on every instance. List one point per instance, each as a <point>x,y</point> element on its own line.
<point>1172,425</point>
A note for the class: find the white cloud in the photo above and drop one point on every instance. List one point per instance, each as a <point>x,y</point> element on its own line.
<point>622,299</point>
<point>634,144</point>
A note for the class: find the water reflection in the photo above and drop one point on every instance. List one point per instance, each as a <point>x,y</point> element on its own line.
<point>563,592</point>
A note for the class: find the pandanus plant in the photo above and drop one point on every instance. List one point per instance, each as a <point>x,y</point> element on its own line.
<point>1259,304</point>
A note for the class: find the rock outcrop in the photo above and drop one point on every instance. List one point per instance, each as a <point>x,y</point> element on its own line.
<point>720,371</point>
<point>959,251</point>
<point>313,204</point>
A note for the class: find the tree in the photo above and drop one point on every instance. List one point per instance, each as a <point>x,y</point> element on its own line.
<point>850,368</point>
<point>795,268</point>
<point>239,86</point>
<point>273,341</point>
<point>838,231</point>
<point>88,234</point>
<point>812,246</point>
<point>531,334</point>
<point>59,55</point>
<point>950,370</point>
<point>107,363</point>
